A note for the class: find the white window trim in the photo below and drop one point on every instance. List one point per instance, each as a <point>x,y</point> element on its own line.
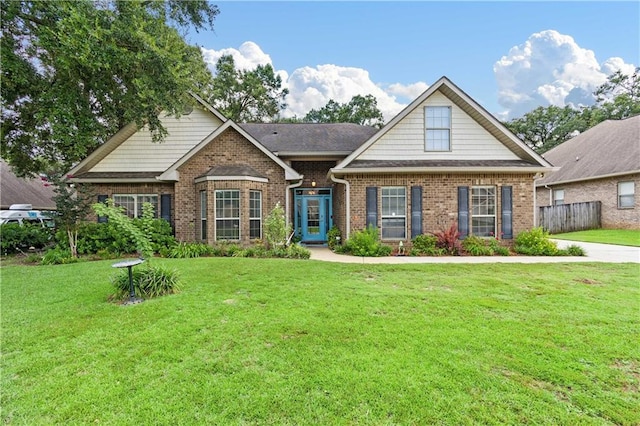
<point>137,207</point>
<point>239,218</point>
<point>495,208</point>
<point>426,128</point>
<point>556,199</point>
<point>259,218</point>
<point>382,216</point>
<point>631,194</point>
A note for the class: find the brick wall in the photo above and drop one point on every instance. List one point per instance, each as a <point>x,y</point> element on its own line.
<point>227,149</point>
<point>440,197</point>
<point>133,188</point>
<point>603,190</point>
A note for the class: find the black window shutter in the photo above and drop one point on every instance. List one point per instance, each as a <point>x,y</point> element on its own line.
<point>165,207</point>
<point>463,211</point>
<point>372,206</point>
<point>416,211</point>
<point>507,213</point>
<point>102,199</point>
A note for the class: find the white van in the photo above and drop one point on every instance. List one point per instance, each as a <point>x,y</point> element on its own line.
<point>24,213</point>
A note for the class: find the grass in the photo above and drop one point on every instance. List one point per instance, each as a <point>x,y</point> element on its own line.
<point>623,237</point>
<point>271,341</point>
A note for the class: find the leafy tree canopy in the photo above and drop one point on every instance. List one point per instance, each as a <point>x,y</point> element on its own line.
<point>359,110</point>
<point>75,72</point>
<point>546,127</point>
<point>247,95</point>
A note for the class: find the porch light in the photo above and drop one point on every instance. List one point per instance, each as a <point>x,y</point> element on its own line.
<point>313,183</point>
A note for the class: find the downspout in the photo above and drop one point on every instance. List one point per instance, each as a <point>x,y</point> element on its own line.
<point>535,198</point>
<point>288,198</point>
<point>348,203</point>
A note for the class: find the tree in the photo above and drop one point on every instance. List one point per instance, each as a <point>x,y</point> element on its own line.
<point>361,110</point>
<point>73,204</point>
<point>247,95</point>
<point>545,127</point>
<point>75,72</point>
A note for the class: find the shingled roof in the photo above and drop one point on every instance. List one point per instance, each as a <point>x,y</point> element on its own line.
<point>15,190</point>
<point>611,148</point>
<point>309,138</point>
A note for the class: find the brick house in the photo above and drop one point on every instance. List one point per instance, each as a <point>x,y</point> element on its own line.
<point>601,164</point>
<point>443,159</point>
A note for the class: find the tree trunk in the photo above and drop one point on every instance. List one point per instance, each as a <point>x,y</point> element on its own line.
<point>73,241</point>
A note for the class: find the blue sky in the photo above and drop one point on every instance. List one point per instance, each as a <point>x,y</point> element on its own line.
<point>508,56</point>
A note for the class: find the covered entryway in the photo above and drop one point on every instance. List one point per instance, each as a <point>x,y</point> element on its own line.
<point>313,214</point>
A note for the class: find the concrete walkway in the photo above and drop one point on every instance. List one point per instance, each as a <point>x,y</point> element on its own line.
<point>595,253</point>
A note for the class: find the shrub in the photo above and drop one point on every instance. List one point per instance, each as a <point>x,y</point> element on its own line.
<point>148,282</point>
<point>18,238</point>
<point>573,250</point>
<point>276,230</point>
<point>334,237</point>
<point>366,243</point>
<point>189,250</point>
<point>58,256</point>
<point>449,240</point>
<point>535,242</point>
<point>425,245</point>
<point>477,246</point>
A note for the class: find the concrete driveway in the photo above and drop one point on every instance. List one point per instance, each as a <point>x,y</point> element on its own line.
<point>595,253</point>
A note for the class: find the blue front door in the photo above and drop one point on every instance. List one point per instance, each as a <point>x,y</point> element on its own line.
<point>313,213</point>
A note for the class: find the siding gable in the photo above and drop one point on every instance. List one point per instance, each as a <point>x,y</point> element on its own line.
<point>139,154</point>
<point>406,140</point>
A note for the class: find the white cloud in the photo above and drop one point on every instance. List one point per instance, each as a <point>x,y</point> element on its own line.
<point>312,87</point>
<point>550,69</point>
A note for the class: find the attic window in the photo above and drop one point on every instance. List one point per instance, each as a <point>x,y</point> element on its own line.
<point>437,128</point>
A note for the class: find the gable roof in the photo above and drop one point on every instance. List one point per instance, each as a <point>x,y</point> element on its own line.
<point>17,190</point>
<point>172,172</point>
<point>529,159</point>
<point>85,166</point>
<point>611,148</point>
<point>310,139</point>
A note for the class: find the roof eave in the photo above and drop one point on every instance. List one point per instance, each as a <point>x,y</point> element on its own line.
<point>113,180</point>
<point>431,170</point>
<point>588,178</point>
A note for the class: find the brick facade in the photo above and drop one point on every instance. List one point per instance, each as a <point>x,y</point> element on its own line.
<point>439,198</point>
<point>603,190</point>
<point>111,189</point>
<point>230,148</point>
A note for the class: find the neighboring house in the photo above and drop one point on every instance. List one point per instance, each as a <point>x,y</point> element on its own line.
<point>14,190</point>
<point>442,160</point>
<point>601,164</point>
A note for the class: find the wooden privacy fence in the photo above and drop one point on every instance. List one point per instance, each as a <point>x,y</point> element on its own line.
<point>570,217</point>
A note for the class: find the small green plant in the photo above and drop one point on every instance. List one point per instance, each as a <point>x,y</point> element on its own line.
<point>58,256</point>
<point>535,242</point>
<point>126,226</point>
<point>425,245</point>
<point>477,246</point>
<point>366,243</point>
<point>573,250</point>
<point>449,240</point>
<point>190,250</point>
<point>334,237</point>
<point>148,281</point>
<point>276,230</point>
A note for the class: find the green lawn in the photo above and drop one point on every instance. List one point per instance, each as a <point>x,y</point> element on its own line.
<point>254,341</point>
<point>623,237</point>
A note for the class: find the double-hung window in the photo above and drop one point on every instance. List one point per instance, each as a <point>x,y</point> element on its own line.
<point>626,195</point>
<point>394,213</point>
<point>133,203</point>
<point>203,215</point>
<point>483,211</point>
<point>255,214</point>
<point>558,197</point>
<point>227,214</point>
<point>438,128</point>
